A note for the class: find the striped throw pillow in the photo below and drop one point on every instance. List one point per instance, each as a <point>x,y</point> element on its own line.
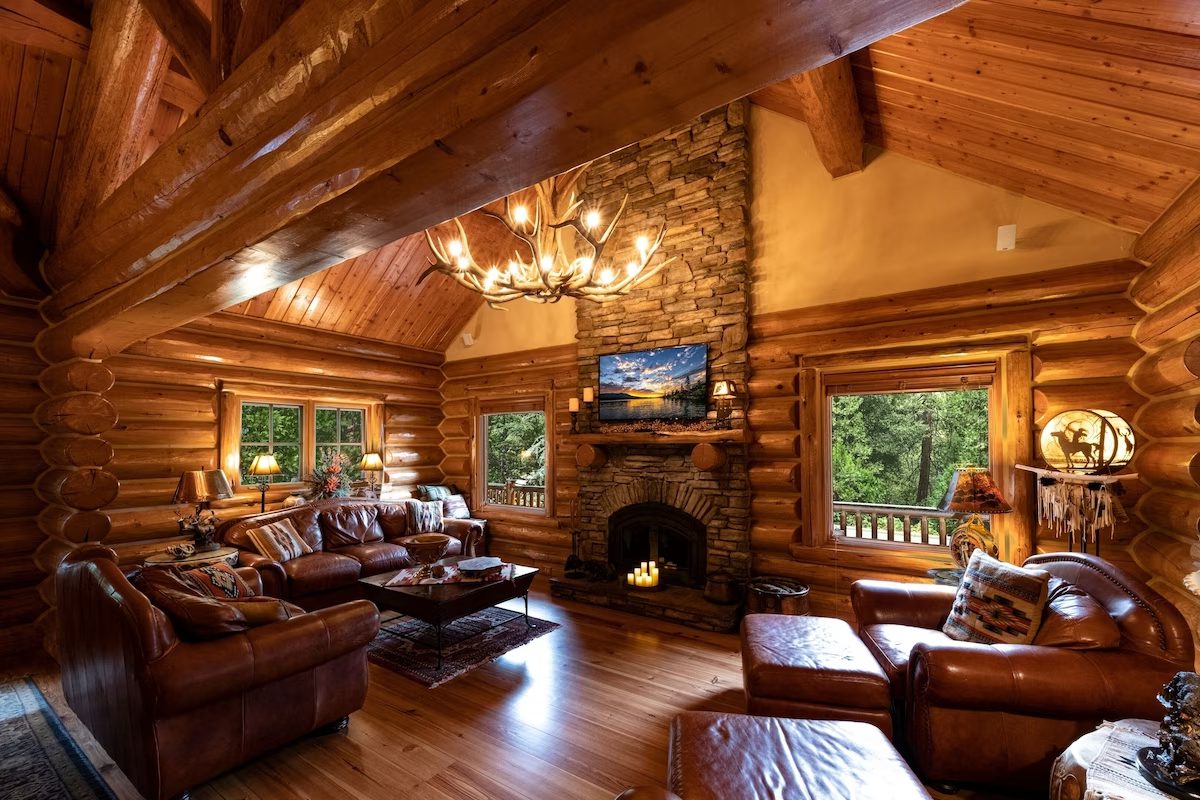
<point>278,541</point>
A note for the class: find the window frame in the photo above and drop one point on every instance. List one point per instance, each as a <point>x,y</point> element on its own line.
<point>513,405</point>
<point>231,455</point>
<point>339,407</point>
<point>1010,395</point>
<point>271,405</point>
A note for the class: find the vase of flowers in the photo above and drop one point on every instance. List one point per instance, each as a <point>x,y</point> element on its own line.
<point>329,479</point>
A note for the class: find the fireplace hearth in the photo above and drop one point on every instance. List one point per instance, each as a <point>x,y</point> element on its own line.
<point>657,532</point>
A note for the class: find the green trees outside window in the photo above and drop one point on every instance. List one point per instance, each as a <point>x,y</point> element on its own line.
<point>271,428</point>
<point>515,462</point>
<point>901,448</point>
<point>340,430</point>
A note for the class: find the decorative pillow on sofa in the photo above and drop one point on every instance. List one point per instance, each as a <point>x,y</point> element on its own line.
<point>434,492</point>
<point>220,581</point>
<point>997,603</point>
<point>455,507</point>
<point>210,617</point>
<point>1075,620</point>
<point>424,517</point>
<point>278,541</point>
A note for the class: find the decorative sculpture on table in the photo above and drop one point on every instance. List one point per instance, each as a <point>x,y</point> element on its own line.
<point>1174,766</point>
<point>1076,497</point>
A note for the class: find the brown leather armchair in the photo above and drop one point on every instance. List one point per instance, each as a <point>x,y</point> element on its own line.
<point>1000,714</point>
<point>174,714</point>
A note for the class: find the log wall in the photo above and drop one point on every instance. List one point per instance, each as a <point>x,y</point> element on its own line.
<point>23,581</point>
<point>167,395</point>
<point>542,541</point>
<point>1075,325</point>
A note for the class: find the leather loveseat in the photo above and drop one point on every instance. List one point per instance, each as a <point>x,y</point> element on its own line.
<point>1000,714</point>
<point>174,713</point>
<point>350,539</point>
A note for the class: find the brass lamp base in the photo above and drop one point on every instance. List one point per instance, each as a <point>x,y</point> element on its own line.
<point>971,534</point>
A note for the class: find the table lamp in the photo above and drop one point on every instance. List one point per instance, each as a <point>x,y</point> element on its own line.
<point>973,493</point>
<point>724,392</point>
<point>370,464</point>
<point>263,466</point>
<point>201,486</point>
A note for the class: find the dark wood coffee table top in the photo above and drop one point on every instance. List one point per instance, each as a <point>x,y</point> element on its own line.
<point>441,602</point>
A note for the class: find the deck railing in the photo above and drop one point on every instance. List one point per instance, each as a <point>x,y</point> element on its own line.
<point>907,524</point>
<point>512,494</point>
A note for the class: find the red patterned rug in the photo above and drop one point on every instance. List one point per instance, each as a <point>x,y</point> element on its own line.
<point>409,646</point>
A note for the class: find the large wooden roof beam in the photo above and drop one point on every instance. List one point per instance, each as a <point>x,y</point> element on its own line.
<point>190,35</point>
<point>359,122</point>
<point>1180,220</point>
<point>28,22</point>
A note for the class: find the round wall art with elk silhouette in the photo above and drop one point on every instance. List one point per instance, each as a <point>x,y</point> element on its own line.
<point>1090,441</point>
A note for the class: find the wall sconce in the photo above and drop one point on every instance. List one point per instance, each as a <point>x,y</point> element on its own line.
<point>724,393</point>
<point>573,407</point>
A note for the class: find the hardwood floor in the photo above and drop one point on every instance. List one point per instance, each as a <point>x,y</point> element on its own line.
<point>580,713</point>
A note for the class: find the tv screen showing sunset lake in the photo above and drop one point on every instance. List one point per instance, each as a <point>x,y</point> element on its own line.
<point>666,383</point>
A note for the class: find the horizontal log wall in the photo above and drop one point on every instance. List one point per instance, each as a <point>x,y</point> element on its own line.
<point>1077,324</point>
<point>166,396</point>
<point>544,542</point>
<point>23,582</point>
<point>1168,455</point>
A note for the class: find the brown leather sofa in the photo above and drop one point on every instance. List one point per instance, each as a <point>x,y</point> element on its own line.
<point>1000,714</point>
<point>173,713</point>
<point>350,538</point>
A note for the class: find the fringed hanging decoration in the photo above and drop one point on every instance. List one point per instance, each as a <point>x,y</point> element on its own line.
<point>1078,506</point>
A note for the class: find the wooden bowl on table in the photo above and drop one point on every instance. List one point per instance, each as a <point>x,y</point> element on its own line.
<point>426,548</point>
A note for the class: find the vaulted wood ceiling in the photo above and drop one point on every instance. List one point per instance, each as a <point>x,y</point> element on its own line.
<point>1091,106</point>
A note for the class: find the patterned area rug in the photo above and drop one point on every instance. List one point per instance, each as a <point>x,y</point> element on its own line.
<point>409,646</point>
<point>38,758</point>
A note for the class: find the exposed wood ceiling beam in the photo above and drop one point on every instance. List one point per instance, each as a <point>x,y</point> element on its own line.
<point>119,91</point>
<point>1182,218</point>
<point>190,35</point>
<point>312,153</point>
<point>825,99</point>
<point>30,23</point>
<point>226,21</point>
<point>259,21</point>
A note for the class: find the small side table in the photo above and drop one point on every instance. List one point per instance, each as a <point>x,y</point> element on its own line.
<point>225,555</point>
<point>1103,764</point>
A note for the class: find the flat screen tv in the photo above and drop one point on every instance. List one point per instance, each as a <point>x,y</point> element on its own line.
<point>664,383</point>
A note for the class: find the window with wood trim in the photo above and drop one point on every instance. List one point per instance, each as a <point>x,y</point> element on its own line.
<point>515,455</point>
<point>272,428</point>
<point>340,430</point>
<point>894,438</point>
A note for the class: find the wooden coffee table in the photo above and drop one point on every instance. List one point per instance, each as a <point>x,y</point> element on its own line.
<point>439,604</point>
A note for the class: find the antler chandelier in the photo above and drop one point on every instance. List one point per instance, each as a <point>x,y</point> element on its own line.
<point>563,248</point>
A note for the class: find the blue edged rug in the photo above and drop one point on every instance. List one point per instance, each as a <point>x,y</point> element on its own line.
<point>38,758</point>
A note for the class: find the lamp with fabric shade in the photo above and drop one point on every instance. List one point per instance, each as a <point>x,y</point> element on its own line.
<point>973,493</point>
<point>370,464</point>
<point>263,466</point>
<point>201,486</point>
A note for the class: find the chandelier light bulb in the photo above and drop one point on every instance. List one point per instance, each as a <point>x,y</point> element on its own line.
<point>493,274</point>
<point>455,248</point>
<point>520,215</point>
<point>585,265</point>
<point>547,263</point>
<point>642,243</point>
<point>591,219</point>
<point>462,264</point>
<point>606,276</point>
<point>632,268</point>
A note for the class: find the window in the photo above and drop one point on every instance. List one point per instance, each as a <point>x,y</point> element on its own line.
<point>515,456</point>
<point>340,430</point>
<point>272,428</point>
<point>895,439</point>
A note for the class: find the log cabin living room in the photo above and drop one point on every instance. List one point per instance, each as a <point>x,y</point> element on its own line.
<point>545,399</point>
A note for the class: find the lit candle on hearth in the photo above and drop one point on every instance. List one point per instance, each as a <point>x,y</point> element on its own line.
<point>631,579</point>
<point>573,404</point>
<point>645,567</point>
<point>589,394</point>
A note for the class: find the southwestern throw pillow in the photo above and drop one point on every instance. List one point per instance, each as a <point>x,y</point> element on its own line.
<point>278,541</point>
<point>219,580</point>
<point>997,603</point>
<point>424,517</point>
<point>455,507</point>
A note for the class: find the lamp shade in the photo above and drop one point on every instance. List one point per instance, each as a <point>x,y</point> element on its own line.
<point>371,462</point>
<point>202,486</point>
<point>972,491</point>
<point>724,389</point>
<point>264,464</point>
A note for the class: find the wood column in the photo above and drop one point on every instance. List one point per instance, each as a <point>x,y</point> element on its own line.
<point>77,483</point>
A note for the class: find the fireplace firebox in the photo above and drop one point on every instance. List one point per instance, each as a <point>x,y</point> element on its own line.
<point>657,532</point>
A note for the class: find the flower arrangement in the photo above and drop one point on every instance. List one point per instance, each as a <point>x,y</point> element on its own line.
<point>329,479</point>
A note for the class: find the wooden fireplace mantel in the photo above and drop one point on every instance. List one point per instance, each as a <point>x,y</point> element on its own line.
<point>708,451</point>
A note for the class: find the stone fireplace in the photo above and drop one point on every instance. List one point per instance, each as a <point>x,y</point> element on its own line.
<point>647,497</point>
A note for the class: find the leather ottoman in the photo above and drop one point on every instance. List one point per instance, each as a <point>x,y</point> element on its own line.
<point>736,757</point>
<point>812,668</point>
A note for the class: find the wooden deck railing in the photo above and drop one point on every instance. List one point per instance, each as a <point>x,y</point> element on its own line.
<point>510,494</point>
<point>908,524</point>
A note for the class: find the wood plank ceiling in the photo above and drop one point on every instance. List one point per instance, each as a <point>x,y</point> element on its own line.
<point>1091,105</point>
